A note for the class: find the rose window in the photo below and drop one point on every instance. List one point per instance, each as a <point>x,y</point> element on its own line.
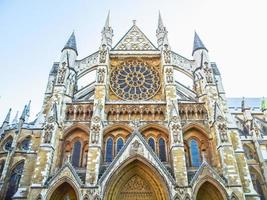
<point>135,81</point>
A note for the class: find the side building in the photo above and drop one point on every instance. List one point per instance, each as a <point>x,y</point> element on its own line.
<point>134,131</point>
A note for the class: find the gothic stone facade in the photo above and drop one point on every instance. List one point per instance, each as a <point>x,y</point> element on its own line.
<point>135,132</point>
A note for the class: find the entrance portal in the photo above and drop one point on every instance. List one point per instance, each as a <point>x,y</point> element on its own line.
<point>64,192</point>
<point>136,181</point>
<point>209,191</point>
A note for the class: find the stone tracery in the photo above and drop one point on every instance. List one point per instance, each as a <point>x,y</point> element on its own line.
<point>135,80</point>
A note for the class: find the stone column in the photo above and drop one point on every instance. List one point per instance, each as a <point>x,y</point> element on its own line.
<point>97,125</point>
<point>175,130</point>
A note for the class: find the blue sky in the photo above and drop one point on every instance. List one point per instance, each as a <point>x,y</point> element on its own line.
<point>32,34</point>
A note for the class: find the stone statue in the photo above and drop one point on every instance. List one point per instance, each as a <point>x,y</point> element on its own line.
<point>167,54</point>
<point>103,53</point>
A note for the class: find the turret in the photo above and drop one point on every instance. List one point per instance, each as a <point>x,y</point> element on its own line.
<point>203,71</point>
<point>200,52</point>
<point>66,74</point>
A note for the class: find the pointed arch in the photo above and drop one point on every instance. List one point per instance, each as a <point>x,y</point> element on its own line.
<point>61,188</point>
<point>196,126</point>
<point>258,182</point>
<point>197,144</point>
<point>159,127</point>
<point>70,147</point>
<point>74,127</point>
<point>117,126</point>
<point>136,170</point>
<point>209,188</point>
<point>14,179</point>
<point>7,143</point>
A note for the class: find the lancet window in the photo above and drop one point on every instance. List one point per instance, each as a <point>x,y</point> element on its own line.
<point>14,180</point>
<point>109,150</point>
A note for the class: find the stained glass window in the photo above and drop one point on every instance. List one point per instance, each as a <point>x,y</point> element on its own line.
<point>162,150</point>
<point>195,156</point>
<point>109,150</point>
<point>135,81</point>
<point>76,154</point>
<point>8,145</point>
<point>25,144</point>
<point>151,143</point>
<point>119,144</point>
<point>14,180</point>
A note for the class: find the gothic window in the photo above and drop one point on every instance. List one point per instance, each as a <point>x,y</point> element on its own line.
<point>162,150</point>
<point>25,144</point>
<point>14,180</point>
<point>151,143</point>
<point>109,150</point>
<point>119,144</point>
<point>195,156</point>
<point>76,154</point>
<point>8,145</point>
<point>135,80</point>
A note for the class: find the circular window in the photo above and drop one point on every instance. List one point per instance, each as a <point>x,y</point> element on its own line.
<point>135,81</point>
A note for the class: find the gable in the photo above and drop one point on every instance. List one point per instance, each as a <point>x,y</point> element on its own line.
<point>134,40</point>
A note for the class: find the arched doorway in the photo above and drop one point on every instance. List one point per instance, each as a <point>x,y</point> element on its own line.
<point>209,191</point>
<point>136,181</point>
<point>64,192</point>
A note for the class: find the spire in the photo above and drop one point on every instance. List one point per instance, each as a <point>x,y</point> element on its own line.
<point>24,113</point>
<point>15,120</point>
<point>160,22</point>
<point>161,33</point>
<point>7,119</point>
<point>263,104</point>
<point>198,44</point>
<point>71,43</point>
<point>107,33</point>
<point>28,111</point>
<point>107,20</point>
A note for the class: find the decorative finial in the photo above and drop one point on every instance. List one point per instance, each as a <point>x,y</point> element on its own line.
<point>134,22</point>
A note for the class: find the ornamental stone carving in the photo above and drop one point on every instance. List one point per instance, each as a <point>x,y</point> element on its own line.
<point>169,75</point>
<point>62,74</point>
<point>208,73</point>
<point>176,129</point>
<point>48,131</point>
<point>95,133</point>
<point>167,54</point>
<point>101,75</point>
<point>136,148</point>
<point>103,53</point>
<point>222,127</point>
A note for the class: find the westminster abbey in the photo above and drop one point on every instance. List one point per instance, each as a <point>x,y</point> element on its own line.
<point>134,131</point>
